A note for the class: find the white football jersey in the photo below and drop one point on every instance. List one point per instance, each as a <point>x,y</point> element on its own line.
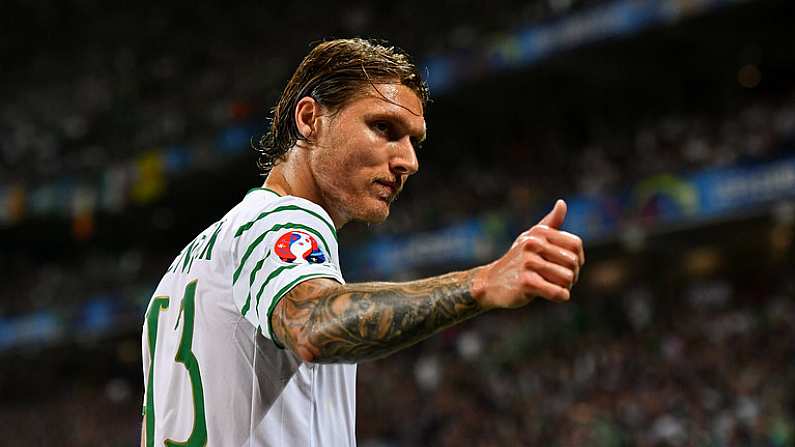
<point>213,376</point>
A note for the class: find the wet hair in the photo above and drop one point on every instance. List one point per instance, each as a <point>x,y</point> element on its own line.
<point>334,73</point>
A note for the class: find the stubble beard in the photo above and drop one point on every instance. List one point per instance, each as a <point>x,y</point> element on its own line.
<point>352,207</point>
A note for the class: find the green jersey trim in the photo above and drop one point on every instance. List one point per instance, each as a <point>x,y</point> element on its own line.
<point>251,279</point>
<point>280,294</point>
<point>261,237</point>
<point>246,226</point>
<point>273,274</point>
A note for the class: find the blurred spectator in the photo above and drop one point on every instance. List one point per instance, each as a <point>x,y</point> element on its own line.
<point>686,362</point>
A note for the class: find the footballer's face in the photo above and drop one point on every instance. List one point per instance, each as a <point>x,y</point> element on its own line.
<point>364,153</point>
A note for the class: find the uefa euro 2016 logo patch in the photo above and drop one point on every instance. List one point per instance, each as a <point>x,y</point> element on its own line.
<point>298,247</point>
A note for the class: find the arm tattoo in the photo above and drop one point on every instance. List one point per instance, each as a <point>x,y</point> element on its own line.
<point>351,323</point>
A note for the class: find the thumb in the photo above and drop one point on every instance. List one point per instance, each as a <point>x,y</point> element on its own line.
<point>555,217</point>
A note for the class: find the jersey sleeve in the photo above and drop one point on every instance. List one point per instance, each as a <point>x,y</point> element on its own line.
<point>289,241</point>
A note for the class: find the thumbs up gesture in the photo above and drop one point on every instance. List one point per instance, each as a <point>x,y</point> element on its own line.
<point>543,261</point>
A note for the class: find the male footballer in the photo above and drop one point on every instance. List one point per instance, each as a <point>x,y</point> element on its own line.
<point>252,336</point>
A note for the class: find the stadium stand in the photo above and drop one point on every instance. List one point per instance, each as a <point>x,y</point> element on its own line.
<point>679,333</point>
<point>759,131</point>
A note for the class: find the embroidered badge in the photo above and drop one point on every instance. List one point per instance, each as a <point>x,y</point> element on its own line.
<point>298,247</point>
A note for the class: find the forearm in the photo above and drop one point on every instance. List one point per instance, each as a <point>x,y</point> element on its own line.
<point>355,322</point>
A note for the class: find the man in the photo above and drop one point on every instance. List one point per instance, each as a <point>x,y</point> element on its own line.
<point>252,336</point>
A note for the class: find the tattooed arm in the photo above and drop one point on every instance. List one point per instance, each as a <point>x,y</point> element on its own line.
<point>324,321</point>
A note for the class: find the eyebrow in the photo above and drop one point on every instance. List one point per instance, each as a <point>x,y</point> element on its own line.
<point>395,117</point>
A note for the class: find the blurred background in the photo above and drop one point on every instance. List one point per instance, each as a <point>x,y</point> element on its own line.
<point>667,125</point>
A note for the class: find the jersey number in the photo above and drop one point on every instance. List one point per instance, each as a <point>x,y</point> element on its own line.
<point>198,436</point>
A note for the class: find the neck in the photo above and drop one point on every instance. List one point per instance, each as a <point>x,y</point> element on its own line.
<point>293,177</point>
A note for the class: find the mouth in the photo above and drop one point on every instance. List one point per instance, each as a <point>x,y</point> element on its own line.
<point>387,190</point>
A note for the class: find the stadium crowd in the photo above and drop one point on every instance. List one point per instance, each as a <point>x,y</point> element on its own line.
<point>176,74</point>
<point>647,366</point>
<point>524,165</point>
<point>513,178</point>
<point>657,362</point>
<point>696,361</point>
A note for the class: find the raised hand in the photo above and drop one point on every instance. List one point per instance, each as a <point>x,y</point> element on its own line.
<point>326,322</point>
<point>543,261</point>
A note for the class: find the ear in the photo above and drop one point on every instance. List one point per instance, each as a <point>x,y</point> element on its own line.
<point>306,112</point>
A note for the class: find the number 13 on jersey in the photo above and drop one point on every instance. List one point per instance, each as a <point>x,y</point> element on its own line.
<point>185,356</point>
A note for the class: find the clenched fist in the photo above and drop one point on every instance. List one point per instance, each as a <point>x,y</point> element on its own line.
<point>543,261</point>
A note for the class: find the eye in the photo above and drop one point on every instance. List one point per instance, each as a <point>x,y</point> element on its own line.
<point>382,127</point>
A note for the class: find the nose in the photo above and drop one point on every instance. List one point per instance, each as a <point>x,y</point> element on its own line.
<point>404,159</point>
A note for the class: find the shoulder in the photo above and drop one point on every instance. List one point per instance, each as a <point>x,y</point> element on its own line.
<point>288,227</point>
<point>263,207</point>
